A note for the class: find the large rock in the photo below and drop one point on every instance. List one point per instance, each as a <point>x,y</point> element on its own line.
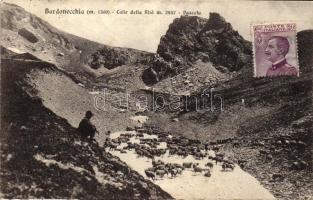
<point>28,35</point>
<point>191,38</point>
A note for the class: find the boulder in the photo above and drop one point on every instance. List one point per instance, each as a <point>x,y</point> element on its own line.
<point>27,35</point>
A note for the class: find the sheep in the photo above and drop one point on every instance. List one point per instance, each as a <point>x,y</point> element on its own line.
<point>199,155</point>
<point>187,165</point>
<point>177,165</point>
<point>160,167</point>
<point>220,155</point>
<point>217,159</point>
<point>242,163</point>
<point>149,155</point>
<point>150,174</point>
<point>154,163</point>
<point>228,162</point>
<point>140,135</point>
<point>208,174</point>
<point>182,153</point>
<point>179,170</point>
<point>195,165</point>
<point>211,157</point>
<point>130,146</point>
<point>197,169</point>
<point>209,164</point>
<point>112,146</point>
<point>228,166</point>
<point>161,173</point>
<point>117,141</point>
<point>139,152</point>
<point>173,172</point>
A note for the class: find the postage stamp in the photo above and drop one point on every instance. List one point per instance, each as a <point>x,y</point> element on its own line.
<point>275,49</point>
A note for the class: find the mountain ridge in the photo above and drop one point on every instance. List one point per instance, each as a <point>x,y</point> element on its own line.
<point>191,38</point>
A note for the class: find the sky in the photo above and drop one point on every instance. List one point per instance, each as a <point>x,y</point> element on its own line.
<point>143,32</point>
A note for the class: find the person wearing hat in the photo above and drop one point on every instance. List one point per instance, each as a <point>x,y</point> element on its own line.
<point>86,129</point>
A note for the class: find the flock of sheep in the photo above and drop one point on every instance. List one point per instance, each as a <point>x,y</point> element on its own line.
<point>149,147</point>
<point>149,142</point>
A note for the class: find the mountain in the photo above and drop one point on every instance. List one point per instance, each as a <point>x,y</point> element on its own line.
<point>264,114</point>
<point>190,39</point>
<point>86,60</point>
<point>42,155</point>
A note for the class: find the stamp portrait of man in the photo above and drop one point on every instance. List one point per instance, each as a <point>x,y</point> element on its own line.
<point>276,51</point>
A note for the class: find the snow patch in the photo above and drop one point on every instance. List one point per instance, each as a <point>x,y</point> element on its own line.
<point>49,162</point>
<point>15,50</point>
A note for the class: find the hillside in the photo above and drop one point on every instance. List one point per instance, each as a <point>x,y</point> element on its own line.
<point>24,32</point>
<point>199,75</point>
<point>84,59</point>
<point>38,145</point>
<point>267,116</point>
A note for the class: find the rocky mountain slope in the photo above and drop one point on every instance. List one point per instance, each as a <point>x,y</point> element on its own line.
<point>195,77</point>
<point>110,58</point>
<point>67,97</point>
<point>42,156</point>
<point>84,59</point>
<point>190,39</point>
<point>24,32</point>
<point>271,118</point>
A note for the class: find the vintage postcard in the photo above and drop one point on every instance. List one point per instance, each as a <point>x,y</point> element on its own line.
<point>134,99</point>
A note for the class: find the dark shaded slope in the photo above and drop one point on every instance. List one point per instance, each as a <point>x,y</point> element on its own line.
<point>42,157</point>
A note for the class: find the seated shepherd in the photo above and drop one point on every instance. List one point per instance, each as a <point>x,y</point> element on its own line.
<point>86,129</point>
